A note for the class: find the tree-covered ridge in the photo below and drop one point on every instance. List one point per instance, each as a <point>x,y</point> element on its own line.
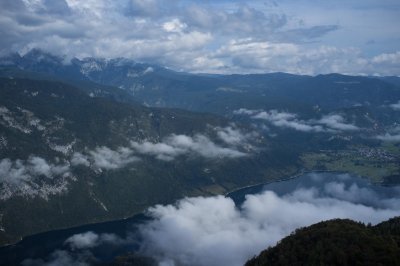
<point>68,158</point>
<point>336,242</point>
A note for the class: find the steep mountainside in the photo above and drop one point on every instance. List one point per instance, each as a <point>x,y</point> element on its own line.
<point>75,150</point>
<point>69,159</point>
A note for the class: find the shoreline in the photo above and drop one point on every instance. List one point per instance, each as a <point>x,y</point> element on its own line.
<point>282,179</point>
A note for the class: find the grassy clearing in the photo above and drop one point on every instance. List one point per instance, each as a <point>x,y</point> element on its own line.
<point>375,164</point>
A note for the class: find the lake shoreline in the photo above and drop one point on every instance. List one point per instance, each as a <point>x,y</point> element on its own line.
<point>227,194</point>
<point>129,227</point>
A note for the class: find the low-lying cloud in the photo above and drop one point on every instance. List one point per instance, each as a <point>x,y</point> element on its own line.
<point>393,135</point>
<point>61,258</point>
<point>233,136</point>
<point>106,158</point>
<point>38,177</point>
<point>19,170</point>
<point>176,145</point>
<point>168,149</point>
<point>213,231</point>
<point>328,123</point>
<point>90,240</point>
<point>77,250</point>
<point>21,176</point>
<point>395,106</point>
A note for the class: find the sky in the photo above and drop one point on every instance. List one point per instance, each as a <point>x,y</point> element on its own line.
<point>220,36</point>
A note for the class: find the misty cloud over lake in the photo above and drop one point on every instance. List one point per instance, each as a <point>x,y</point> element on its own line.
<point>217,231</point>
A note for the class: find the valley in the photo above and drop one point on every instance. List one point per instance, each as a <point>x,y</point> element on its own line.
<point>82,148</point>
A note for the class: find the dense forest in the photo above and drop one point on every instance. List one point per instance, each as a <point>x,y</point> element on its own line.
<point>336,242</point>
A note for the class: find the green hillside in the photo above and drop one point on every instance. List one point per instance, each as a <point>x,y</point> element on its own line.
<point>336,242</point>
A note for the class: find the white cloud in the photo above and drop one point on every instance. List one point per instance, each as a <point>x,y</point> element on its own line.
<point>168,149</point>
<point>328,123</point>
<point>106,158</point>
<point>217,37</point>
<point>395,106</point>
<point>61,258</point>
<point>85,240</point>
<point>287,120</point>
<point>213,231</point>
<point>393,135</point>
<point>176,145</point>
<point>234,136</point>
<point>174,26</point>
<point>17,171</point>
<point>244,111</point>
<point>389,137</point>
<point>385,58</point>
<point>13,172</point>
<point>79,159</point>
<point>90,239</point>
<point>21,177</point>
<point>335,121</point>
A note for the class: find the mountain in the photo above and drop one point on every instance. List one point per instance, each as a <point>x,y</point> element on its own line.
<point>336,242</point>
<point>222,94</point>
<point>68,158</point>
<point>78,144</point>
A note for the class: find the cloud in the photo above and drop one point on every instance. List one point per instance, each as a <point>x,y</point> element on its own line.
<point>287,120</point>
<point>14,172</point>
<point>85,240</point>
<point>234,136</point>
<point>216,37</point>
<point>335,121</point>
<point>395,106</point>
<point>213,231</point>
<point>328,123</point>
<point>80,250</point>
<point>106,158</point>
<point>176,145</point>
<point>389,137</point>
<point>61,258</point>
<point>244,111</point>
<point>168,149</point>
<point>393,135</point>
<point>79,159</point>
<point>90,239</point>
<point>21,177</point>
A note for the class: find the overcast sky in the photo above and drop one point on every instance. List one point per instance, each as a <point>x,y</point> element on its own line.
<point>220,36</point>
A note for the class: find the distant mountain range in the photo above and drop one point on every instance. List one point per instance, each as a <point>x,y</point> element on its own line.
<point>93,139</point>
<point>157,86</point>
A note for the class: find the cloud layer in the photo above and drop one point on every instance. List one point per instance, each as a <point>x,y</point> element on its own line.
<point>328,123</point>
<point>217,36</point>
<point>393,135</point>
<point>213,231</point>
<point>90,240</point>
<point>236,144</point>
<point>395,106</point>
<point>38,177</point>
<point>25,177</point>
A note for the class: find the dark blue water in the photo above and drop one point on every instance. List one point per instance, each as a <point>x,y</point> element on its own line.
<point>44,244</point>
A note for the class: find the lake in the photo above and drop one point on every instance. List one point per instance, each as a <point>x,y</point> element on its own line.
<point>44,244</point>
